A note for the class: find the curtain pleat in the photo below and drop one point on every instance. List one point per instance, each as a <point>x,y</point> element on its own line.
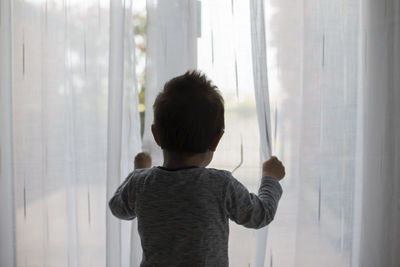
<point>7,208</point>
<point>123,138</point>
<point>114,129</point>
<point>260,77</point>
<point>380,134</point>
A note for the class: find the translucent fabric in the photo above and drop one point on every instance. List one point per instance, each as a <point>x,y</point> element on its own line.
<point>260,77</point>
<point>312,51</point>
<point>334,68</point>
<point>316,82</point>
<point>123,131</point>
<point>69,130</point>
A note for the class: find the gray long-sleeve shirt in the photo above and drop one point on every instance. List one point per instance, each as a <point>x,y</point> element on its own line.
<point>183,214</point>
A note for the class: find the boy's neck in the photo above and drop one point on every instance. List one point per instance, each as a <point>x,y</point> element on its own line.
<point>174,160</point>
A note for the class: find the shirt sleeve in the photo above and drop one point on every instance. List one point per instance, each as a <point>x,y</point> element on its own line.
<point>122,204</point>
<point>248,209</point>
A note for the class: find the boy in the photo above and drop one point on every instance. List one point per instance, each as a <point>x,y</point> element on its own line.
<point>182,207</point>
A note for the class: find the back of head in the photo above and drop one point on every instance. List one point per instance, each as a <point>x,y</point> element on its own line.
<point>188,113</point>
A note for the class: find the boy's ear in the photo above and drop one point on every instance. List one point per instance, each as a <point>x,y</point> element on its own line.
<point>216,140</point>
<point>153,130</point>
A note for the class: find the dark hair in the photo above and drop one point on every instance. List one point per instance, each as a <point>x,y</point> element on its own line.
<point>188,113</point>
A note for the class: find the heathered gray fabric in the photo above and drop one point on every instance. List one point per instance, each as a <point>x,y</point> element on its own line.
<point>183,214</point>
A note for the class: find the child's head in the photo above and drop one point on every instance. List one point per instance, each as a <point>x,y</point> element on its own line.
<point>188,114</point>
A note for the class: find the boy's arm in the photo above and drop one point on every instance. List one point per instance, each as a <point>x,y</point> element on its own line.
<point>122,204</point>
<point>251,210</point>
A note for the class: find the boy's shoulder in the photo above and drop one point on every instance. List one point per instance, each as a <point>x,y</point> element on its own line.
<point>223,175</point>
<point>218,172</point>
<point>205,179</point>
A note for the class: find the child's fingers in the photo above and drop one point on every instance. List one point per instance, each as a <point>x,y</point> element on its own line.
<point>274,167</point>
<point>142,160</point>
<point>143,155</point>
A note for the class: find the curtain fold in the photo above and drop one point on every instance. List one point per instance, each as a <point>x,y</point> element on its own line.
<point>7,207</point>
<point>123,138</point>
<point>114,129</point>
<point>260,77</point>
<point>380,134</point>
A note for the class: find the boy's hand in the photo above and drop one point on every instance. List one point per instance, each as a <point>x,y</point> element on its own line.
<point>142,161</point>
<point>274,168</point>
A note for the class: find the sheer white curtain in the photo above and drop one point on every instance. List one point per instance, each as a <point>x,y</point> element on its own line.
<point>69,128</point>
<point>313,59</point>
<point>333,76</point>
<point>123,131</point>
<point>328,70</point>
